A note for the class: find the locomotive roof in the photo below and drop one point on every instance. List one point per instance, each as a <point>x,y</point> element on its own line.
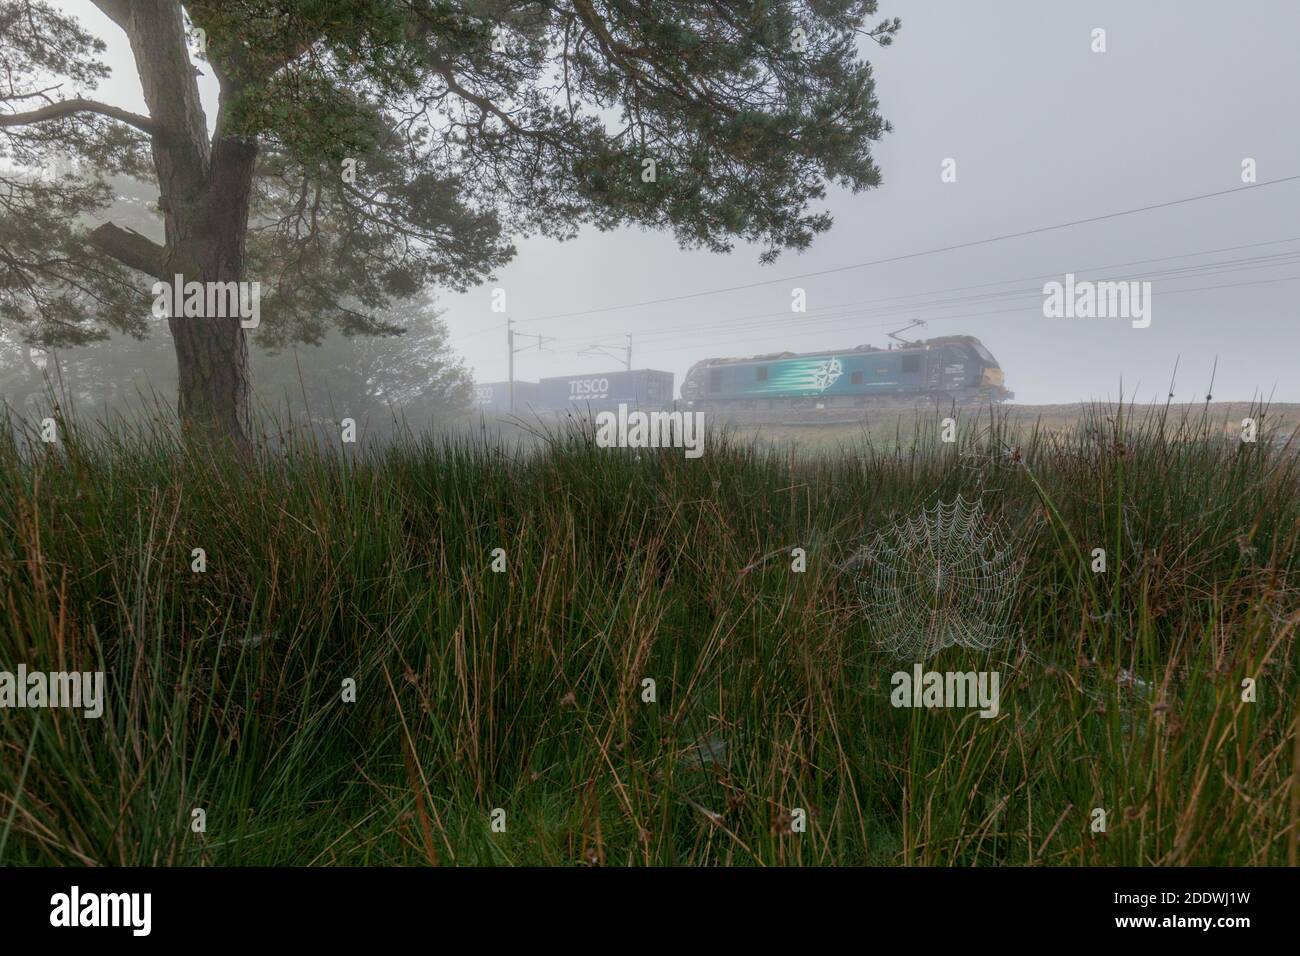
<point>916,346</point>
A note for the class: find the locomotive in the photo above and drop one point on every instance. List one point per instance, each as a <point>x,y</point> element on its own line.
<point>952,369</point>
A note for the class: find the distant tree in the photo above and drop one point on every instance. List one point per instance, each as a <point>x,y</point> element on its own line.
<point>22,372</point>
<point>716,120</point>
<point>414,376</point>
<point>107,367</point>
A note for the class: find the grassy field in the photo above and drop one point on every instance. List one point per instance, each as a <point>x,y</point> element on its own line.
<point>522,691</point>
<point>1017,422</point>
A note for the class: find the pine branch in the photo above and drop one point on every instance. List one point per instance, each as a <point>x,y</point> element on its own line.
<point>65,108</point>
<point>131,249</point>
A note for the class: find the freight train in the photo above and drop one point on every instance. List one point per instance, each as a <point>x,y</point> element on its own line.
<point>494,397</point>
<point>638,388</point>
<point>953,369</point>
<point>782,386</point>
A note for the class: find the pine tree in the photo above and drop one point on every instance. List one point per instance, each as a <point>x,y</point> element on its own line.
<point>364,150</point>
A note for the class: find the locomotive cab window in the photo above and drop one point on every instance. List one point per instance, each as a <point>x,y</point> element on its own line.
<point>715,379</point>
<point>911,363</point>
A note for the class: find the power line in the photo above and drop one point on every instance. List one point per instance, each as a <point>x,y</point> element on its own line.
<point>985,285</point>
<point>916,255</point>
<point>593,350</point>
<point>845,315</point>
<point>485,330</point>
<point>785,336</point>
<point>859,308</point>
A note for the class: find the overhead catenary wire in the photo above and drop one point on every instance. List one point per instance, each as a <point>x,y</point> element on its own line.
<point>791,334</point>
<point>844,310</point>
<point>862,308</point>
<point>729,323</point>
<point>919,253</point>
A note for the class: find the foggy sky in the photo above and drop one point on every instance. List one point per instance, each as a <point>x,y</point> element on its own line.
<point>1043,131</point>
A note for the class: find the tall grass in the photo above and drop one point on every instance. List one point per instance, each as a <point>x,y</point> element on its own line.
<point>523,690</point>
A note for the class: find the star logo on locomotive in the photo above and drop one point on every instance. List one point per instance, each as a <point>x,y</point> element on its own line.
<point>827,374</point>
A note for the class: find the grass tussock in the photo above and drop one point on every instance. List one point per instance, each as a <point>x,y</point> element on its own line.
<point>524,690</point>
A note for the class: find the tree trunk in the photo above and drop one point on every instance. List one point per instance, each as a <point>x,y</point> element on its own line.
<point>213,374</point>
<point>206,190</point>
<point>213,377</point>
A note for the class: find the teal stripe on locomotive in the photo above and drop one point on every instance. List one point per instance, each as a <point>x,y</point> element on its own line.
<point>818,375</point>
<point>953,366</point>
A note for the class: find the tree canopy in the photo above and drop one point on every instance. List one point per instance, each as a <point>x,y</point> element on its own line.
<point>366,150</point>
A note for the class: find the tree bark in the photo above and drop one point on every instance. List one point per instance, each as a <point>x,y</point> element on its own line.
<point>212,377</point>
<point>206,189</point>
<point>131,249</point>
<point>212,352</point>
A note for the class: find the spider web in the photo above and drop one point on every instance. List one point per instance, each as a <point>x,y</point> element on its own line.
<point>944,576</point>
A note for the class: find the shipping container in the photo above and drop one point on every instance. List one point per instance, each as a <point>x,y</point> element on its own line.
<point>644,388</point>
<point>494,397</point>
